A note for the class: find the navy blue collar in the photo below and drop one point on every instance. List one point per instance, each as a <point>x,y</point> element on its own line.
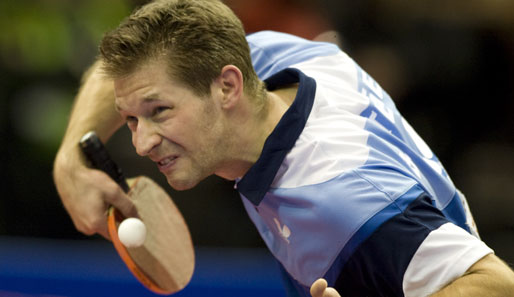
<point>259,177</point>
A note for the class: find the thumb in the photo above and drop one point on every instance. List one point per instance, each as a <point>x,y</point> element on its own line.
<point>120,200</point>
<point>126,206</point>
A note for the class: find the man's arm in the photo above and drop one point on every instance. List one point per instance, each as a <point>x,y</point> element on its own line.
<point>490,277</point>
<point>86,193</point>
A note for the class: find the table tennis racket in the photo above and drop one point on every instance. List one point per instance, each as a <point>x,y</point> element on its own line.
<point>165,262</point>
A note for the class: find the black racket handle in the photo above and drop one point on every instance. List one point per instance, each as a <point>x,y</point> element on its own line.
<point>99,158</point>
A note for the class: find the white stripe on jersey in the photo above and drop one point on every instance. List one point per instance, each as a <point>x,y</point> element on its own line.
<point>444,255</point>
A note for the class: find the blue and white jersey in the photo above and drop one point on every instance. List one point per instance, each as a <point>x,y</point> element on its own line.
<point>345,189</point>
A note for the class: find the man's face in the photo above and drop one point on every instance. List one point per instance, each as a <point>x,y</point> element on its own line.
<point>180,131</point>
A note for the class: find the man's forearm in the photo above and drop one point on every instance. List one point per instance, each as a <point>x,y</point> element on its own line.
<point>93,110</point>
<point>94,107</point>
<point>84,192</point>
<point>488,277</point>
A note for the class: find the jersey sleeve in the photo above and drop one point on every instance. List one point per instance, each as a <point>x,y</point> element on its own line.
<point>414,253</point>
<point>272,52</point>
<point>357,197</point>
<point>444,255</point>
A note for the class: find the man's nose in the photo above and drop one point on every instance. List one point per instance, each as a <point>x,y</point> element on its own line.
<point>145,138</point>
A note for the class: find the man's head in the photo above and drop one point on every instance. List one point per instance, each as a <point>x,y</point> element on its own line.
<point>196,38</point>
<point>185,84</point>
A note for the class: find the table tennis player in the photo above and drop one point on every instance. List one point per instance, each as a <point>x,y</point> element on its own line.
<point>338,184</point>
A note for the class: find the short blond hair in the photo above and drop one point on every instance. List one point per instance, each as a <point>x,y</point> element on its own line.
<point>197,38</point>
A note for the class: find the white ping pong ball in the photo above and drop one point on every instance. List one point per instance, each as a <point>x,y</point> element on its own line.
<point>132,232</point>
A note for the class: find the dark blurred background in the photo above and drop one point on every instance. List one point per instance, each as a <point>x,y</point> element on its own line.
<point>449,66</point>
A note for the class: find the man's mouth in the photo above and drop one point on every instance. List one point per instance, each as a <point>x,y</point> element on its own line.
<point>166,163</point>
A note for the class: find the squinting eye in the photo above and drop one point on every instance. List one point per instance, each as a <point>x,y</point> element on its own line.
<point>160,109</point>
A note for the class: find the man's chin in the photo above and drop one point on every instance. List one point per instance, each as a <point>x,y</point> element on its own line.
<point>181,185</point>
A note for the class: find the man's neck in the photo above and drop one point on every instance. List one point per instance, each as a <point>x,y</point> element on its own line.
<point>250,131</point>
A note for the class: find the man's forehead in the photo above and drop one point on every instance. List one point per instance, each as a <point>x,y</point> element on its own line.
<point>137,86</point>
<point>120,104</point>
<point>142,76</point>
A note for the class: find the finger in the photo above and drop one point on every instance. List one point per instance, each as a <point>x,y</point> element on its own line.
<point>121,201</point>
<point>89,218</point>
<point>94,226</point>
<point>104,232</point>
<point>127,207</point>
<point>318,287</point>
<point>331,292</point>
<point>102,227</point>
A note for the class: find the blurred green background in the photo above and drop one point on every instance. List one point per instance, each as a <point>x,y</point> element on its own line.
<point>44,47</point>
<point>448,66</point>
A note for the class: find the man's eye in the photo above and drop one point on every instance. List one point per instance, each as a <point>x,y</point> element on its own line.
<point>160,109</point>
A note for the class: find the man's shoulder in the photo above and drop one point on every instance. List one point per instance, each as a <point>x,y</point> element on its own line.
<point>274,51</point>
<point>268,34</point>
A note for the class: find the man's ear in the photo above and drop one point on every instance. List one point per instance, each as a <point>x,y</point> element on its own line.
<point>230,83</point>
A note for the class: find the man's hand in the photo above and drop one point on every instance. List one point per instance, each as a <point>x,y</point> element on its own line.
<point>86,194</point>
<point>319,289</point>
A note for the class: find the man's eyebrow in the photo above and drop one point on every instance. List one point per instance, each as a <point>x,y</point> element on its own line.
<point>147,100</point>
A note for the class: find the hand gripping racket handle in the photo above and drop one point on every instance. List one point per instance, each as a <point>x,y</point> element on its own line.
<point>97,155</point>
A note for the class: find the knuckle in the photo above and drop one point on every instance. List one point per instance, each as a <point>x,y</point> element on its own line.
<point>85,229</point>
<point>91,225</point>
<point>96,225</point>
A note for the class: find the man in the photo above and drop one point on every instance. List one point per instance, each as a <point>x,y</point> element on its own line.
<point>338,184</point>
